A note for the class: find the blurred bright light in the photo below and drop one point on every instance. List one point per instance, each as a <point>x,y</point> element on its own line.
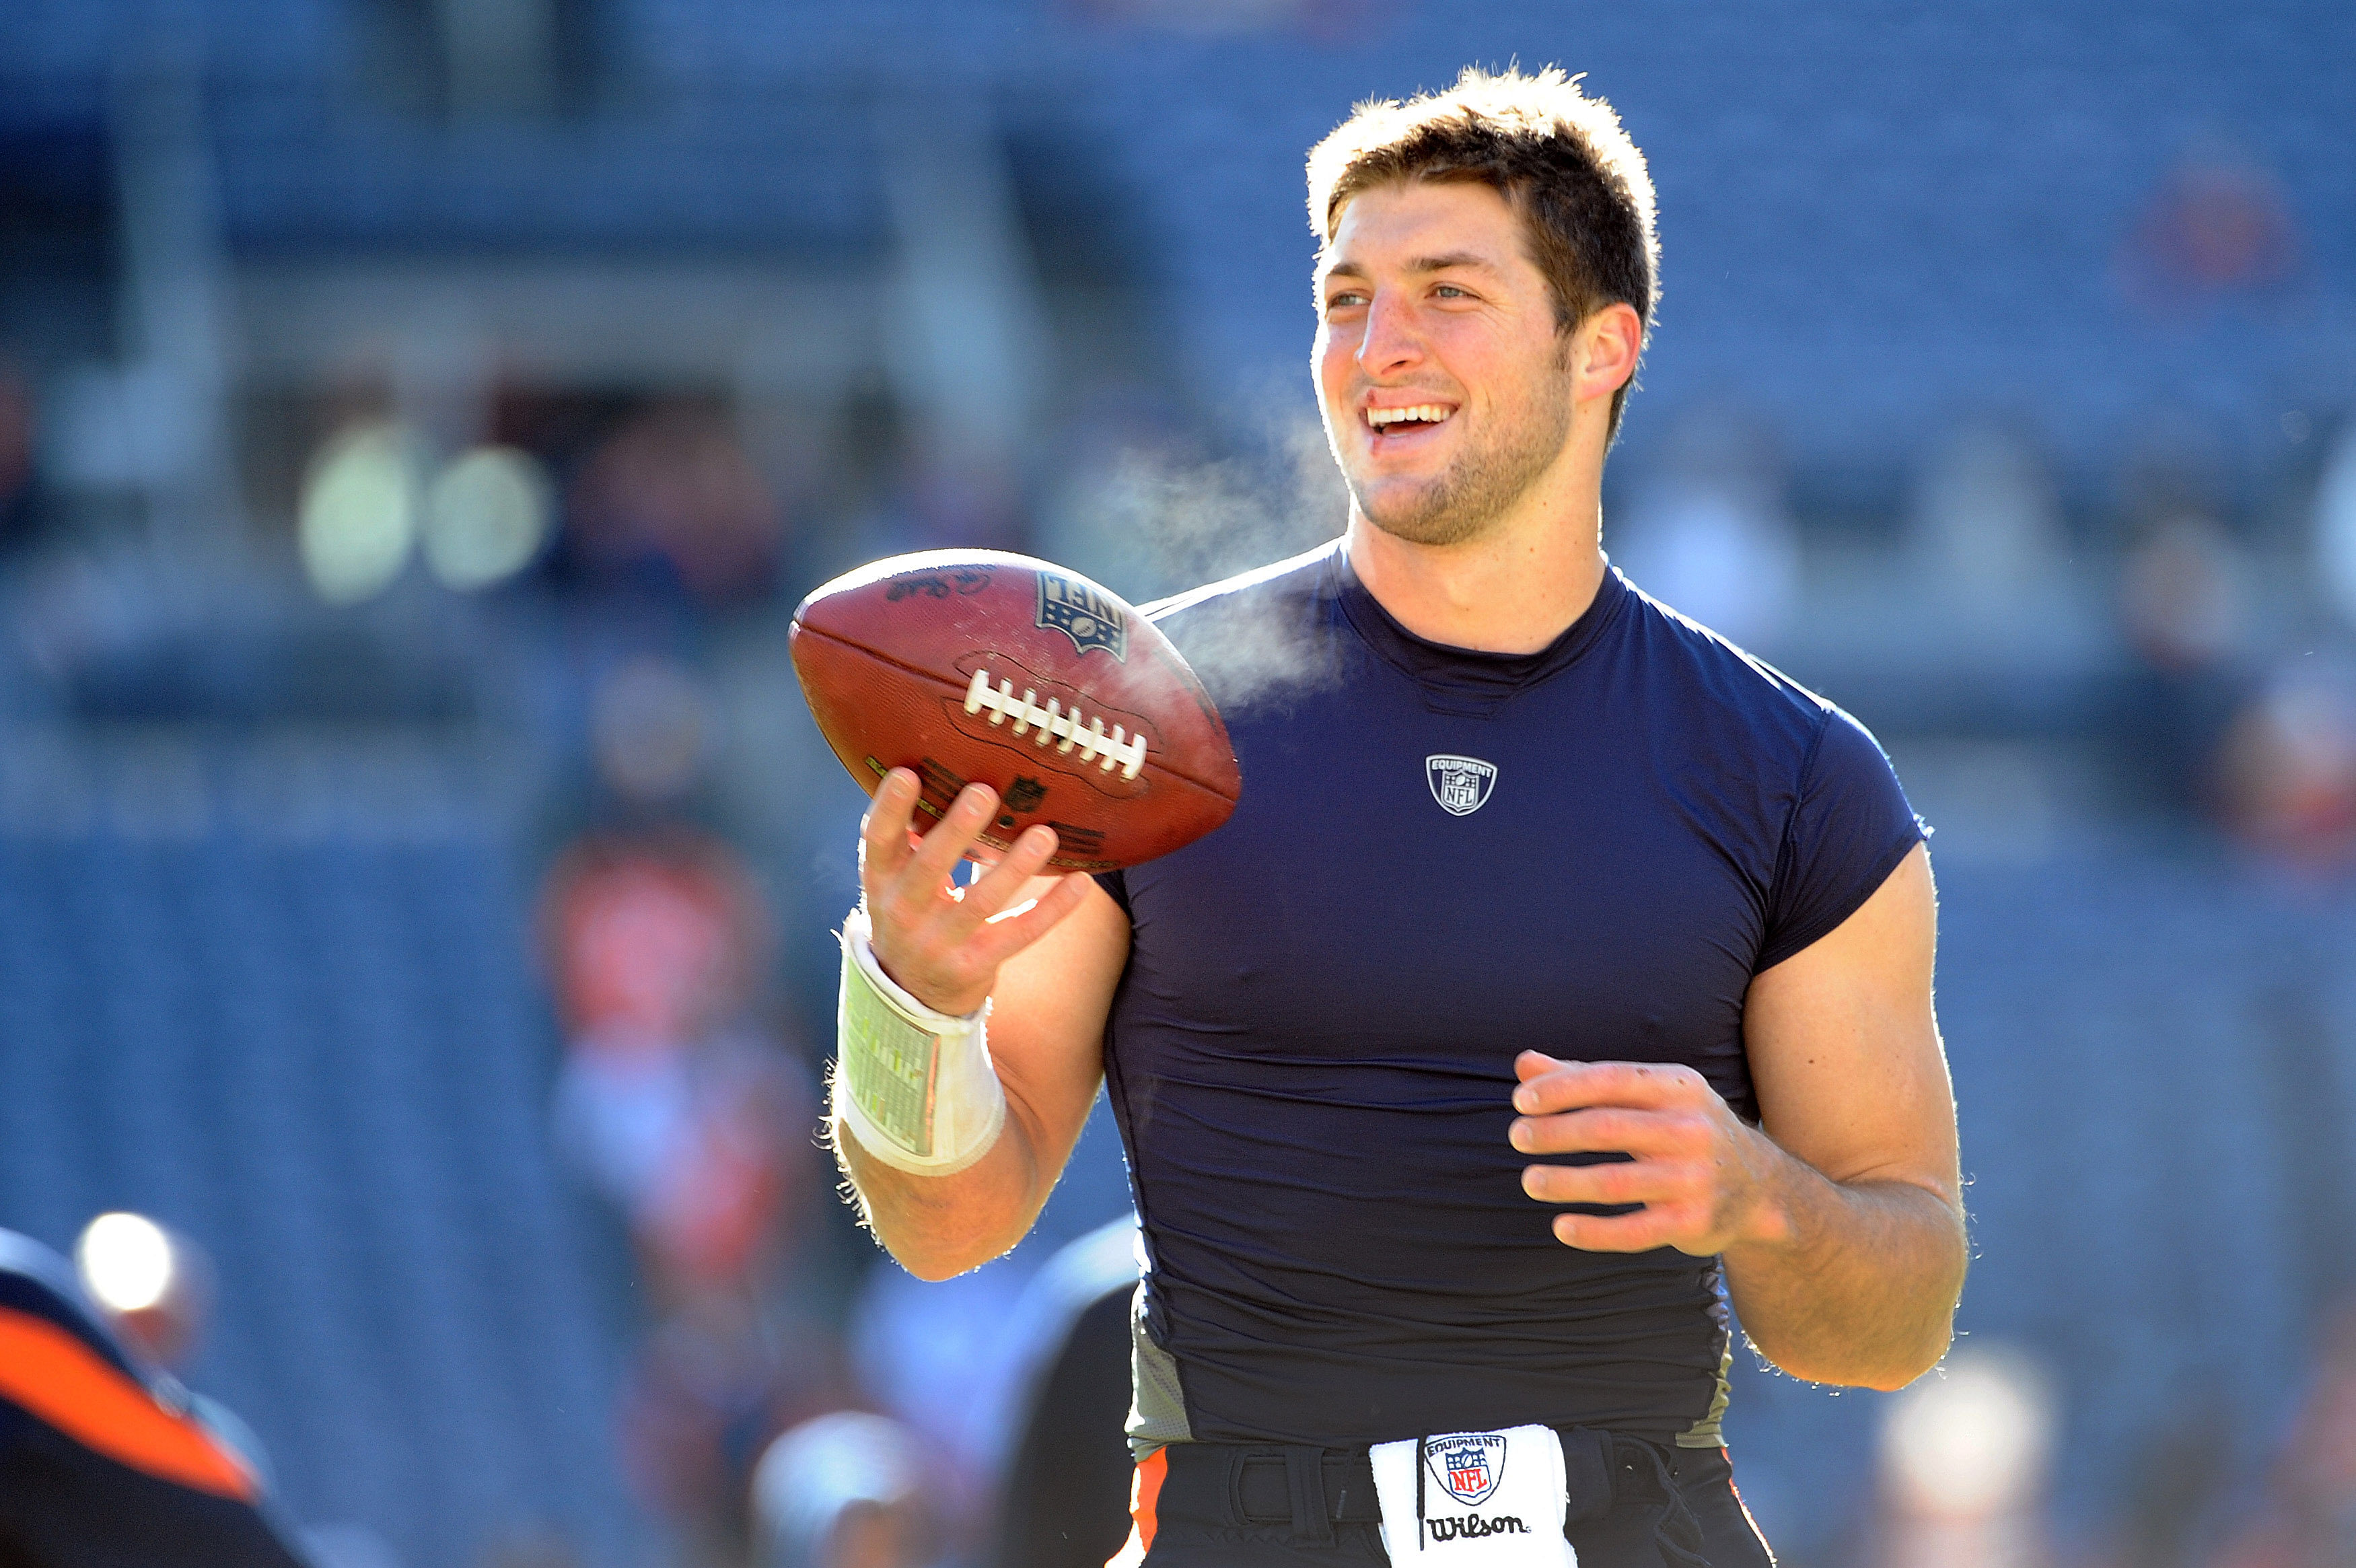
<point>125,1261</point>
<point>2335,525</point>
<point>1971,1442</point>
<point>486,517</point>
<point>358,514</point>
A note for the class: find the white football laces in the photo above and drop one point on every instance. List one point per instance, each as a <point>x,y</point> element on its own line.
<point>1056,724</point>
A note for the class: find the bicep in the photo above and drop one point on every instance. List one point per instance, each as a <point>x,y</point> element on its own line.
<point>1844,1046</point>
<point>1047,1020</point>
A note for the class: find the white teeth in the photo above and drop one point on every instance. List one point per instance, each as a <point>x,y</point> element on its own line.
<point>1430,413</point>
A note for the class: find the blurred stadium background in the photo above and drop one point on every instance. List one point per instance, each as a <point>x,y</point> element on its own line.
<point>419,417</point>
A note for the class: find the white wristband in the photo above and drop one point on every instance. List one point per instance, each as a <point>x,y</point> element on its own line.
<point>915,1085</point>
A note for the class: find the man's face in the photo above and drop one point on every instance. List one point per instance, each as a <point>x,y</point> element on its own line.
<point>1429,307</point>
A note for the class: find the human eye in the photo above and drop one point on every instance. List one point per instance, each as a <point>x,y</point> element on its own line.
<point>1346,299</point>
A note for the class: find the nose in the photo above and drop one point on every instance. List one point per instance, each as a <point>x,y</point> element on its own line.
<point>1392,340</point>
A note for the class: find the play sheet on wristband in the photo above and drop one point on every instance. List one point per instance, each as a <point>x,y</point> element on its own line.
<point>891,1065</point>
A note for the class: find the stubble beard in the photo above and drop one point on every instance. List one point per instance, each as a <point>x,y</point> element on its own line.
<point>1480,484</point>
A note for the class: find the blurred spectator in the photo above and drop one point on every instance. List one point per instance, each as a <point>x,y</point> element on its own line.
<point>718,1379</point>
<point>18,436</point>
<point>2286,771</point>
<point>679,1105</point>
<point>846,1490</point>
<point>2183,593</point>
<point>100,1460</point>
<point>1709,534</point>
<point>669,501</point>
<point>155,1287</point>
<point>2176,1482</point>
<point>2308,1517</point>
<point>944,499</point>
<point>528,1549</point>
<point>2217,225</point>
<point>1063,1495</point>
<point>1985,523</point>
<point>2334,526</point>
<point>671,1100</point>
<point>651,732</point>
<point>654,939</point>
<point>1965,1455</point>
<point>941,1357</point>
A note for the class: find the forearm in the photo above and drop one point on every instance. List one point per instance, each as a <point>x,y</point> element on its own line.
<point>938,1226</point>
<point>1015,1090</point>
<point>1849,1282</point>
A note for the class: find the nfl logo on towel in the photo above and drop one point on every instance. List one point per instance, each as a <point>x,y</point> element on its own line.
<point>1460,784</point>
<point>1469,1466</point>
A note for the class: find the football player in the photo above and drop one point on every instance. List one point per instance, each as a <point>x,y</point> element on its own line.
<point>1563,979</point>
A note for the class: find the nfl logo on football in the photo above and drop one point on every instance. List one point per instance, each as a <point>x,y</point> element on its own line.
<point>1088,618</point>
<point>1460,784</point>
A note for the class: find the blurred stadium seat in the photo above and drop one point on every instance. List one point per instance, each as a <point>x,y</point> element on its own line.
<point>322,1053</point>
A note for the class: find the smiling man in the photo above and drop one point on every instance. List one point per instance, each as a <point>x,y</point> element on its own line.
<point>1563,976</point>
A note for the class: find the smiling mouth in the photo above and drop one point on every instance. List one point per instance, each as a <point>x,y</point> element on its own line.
<point>1406,421</point>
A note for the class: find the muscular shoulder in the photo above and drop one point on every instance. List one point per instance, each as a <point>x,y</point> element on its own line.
<point>1695,678</point>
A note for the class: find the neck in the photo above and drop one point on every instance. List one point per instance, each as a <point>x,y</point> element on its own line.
<point>1513,589</point>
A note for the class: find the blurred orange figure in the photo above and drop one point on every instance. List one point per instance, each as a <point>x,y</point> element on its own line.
<point>677,1107</point>
<point>672,488</point>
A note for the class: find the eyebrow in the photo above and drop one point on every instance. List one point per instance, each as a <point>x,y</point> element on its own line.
<point>1420,264</point>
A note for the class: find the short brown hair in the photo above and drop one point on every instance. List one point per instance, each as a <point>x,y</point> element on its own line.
<point>1556,156</point>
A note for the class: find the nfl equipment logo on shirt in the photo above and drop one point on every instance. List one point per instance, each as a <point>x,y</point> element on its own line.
<point>1469,1465</point>
<point>1460,784</point>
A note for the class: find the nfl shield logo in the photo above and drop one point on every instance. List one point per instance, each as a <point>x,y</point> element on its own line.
<point>1460,784</point>
<point>1469,1465</point>
<point>1083,615</point>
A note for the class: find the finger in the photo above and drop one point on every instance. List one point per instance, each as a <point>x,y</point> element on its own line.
<point>1661,1183</point>
<point>884,843</point>
<point>1003,884</point>
<point>1574,1086</point>
<point>1643,1232</point>
<point>1607,1129</point>
<point>928,871</point>
<point>1531,1064</point>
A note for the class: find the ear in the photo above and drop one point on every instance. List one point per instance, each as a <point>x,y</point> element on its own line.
<point>1604,349</point>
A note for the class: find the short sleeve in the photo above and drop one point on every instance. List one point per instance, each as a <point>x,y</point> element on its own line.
<point>1848,831</point>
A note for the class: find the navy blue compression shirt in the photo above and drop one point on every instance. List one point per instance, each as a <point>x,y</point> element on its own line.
<point>1443,858</point>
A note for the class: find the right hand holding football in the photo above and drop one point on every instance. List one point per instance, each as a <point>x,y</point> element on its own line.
<point>941,943</point>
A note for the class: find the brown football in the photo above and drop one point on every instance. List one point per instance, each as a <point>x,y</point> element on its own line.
<point>976,666</point>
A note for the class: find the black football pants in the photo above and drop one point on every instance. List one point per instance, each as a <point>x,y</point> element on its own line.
<point>1239,1506</point>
